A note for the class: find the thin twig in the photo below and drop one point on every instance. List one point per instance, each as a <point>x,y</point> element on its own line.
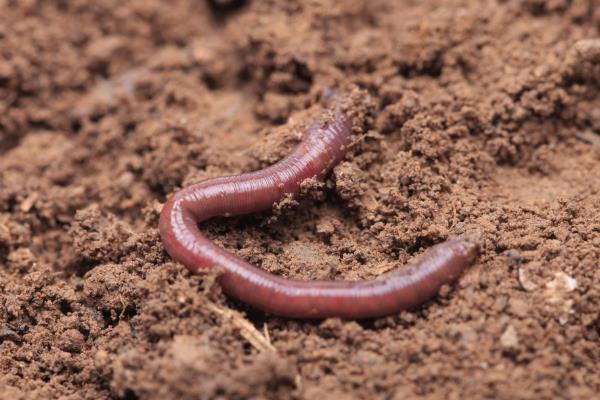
<point>588,137</point>
<point>247,330</point>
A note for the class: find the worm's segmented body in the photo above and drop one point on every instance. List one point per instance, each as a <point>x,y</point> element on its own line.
<point>323,146</point>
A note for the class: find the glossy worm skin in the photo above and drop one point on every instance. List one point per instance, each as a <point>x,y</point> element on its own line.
<point>323,146</point>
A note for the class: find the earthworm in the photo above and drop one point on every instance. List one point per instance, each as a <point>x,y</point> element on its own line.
<point>322,147</point>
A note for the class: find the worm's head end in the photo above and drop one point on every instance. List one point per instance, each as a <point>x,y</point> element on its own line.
<point>470,246</point>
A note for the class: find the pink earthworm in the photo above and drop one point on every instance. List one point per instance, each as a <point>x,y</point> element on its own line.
<point>322,147</point>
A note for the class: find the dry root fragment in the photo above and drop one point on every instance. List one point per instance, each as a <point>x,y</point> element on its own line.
<point>4,233</point>
<point>247,330</point>
<point>527,284</point>
<point>588,137</point>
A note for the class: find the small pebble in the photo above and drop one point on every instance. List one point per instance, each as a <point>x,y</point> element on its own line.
<point>509,339</point>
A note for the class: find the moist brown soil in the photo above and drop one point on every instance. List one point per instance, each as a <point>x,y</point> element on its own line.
<point>484,119</point>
